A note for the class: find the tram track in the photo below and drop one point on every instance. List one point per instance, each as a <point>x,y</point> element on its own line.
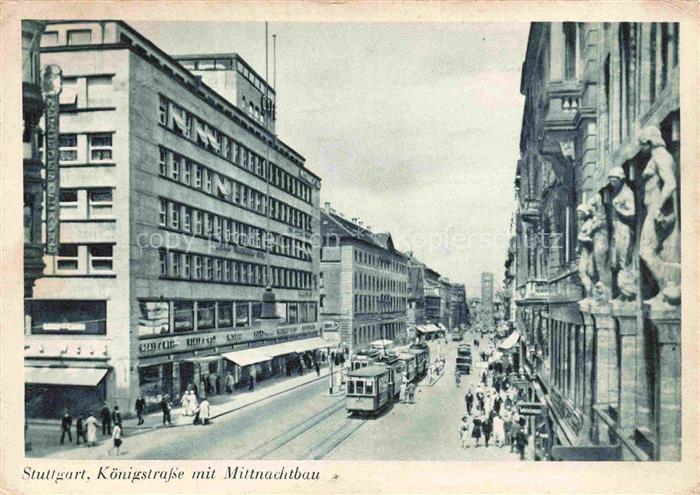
<point>274,444</point>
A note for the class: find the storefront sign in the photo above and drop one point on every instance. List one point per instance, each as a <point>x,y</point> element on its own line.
<point>52,89</point>
<point>310,179</point>
<point>183,343</point>
<point>305,293</point>
<point>530,408</point>
<point>248,251</point>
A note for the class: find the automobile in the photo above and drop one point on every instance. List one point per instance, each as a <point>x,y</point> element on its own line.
<point>464,359</point>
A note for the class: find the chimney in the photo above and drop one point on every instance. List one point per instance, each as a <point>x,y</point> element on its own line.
<point>360,222</point>
<point>327,207</point>
<point>354,219</point>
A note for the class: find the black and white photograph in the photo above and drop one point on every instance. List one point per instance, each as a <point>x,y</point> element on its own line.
<point>283,240</point>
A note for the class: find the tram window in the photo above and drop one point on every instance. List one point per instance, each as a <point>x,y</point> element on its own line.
<point>351,387</point>
<point>360,387</point>
<point>369,388</point>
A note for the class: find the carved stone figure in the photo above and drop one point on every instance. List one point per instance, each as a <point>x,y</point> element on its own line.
<point>601,251</point>
<point>52,80</point>
<point>623,218</point>
<point>585,246</point>
<point>660,237</point>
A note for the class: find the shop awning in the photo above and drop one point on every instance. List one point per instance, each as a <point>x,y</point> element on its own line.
<point>422,329</point>
<point>80,377</point>
<point>509,341</point>
<point>247,357</point>
<point>308,344</point>
<point>275,350</point>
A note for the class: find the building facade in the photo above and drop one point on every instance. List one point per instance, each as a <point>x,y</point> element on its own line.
<point>596,251</point>
<point>32,111</point>
<point>458,305</point>
<point>177,209</point>
<point>487,292</point>
<point>364,283</point>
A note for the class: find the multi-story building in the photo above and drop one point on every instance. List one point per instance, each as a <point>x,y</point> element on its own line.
<point>445,303</point>
<point>458,305</point>
<point>178,208</point>
<point>598,296</point>
<point>415,301</point>
<point>364,282</point>
<point>32,111</point>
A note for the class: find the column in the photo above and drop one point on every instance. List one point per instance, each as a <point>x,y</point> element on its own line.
<point>556,51</point>
<point>589,377</point>
<point>668,423</point>
<point>626,413</point>
<point>605,367</point>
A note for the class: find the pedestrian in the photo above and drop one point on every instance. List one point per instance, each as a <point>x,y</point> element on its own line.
<point>318,367</point>
<point>212,384</point>
<point>411,392</point>
<point>469,399</point>
<point>80,430</point>
<point>402,390</point>
<point>476,430</point>
<point>251,383</point>
<point>486,427</point>
<point>66,424</point>
<point>521,442</point>
<point>117,416</point>
<point>499,433</point>
<point>300,371</point>
<point>514,430</point>
<point>203,411</point>
<point>106,420</point>
<point>229,383</point>
<point>192,403</point>
<point>457,378</point>
<point>480,400</point>
<point>116,439</point>
<point>464,432</point>
<point>91,427</point>
<point>140,407</point>
<point>497,403</point>
<point>166,407</point>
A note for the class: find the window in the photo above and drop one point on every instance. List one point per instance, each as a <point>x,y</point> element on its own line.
<point>174,215</point>
<point>154,318</point>
<point>197,267</point>
<point>217,269</point>
<point>207,268</point>
<point>49,38</point>
<point>187,219</point>
<point>183,316</point>
<point>68,147</point>
<point>198,222</point>
<point>68,316</point>
<point>100,147</point>
<point>101,256</point>
<point>80,37</point>
<point>242,316</point>
<point>163,256</point>
<point>175,167</point>
<point>99,202</point>
<point>570,50</point>
<point>68,199</point>
<point>175,264</point>
<point>207,180</point>
<point>163,111</point>
<point>163,162</point>
<point>163,213</point>
<point>69,93</point>
<point>187,172</point>
<point>67,258</point>
<point>99,91</point>
<point>197,176</point>
<point>224,314</point>
<point>206,313</point>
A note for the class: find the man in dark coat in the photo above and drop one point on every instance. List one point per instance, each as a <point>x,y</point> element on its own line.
<point>497,404</point>
<point>80,431</point>
<point>106,416</point>
<point>140,407</point>
<point>318,367</point>
<point>469,399</point>
<point>66,423</point>
<point>521,442</point>
<point>117,416</point>
<point>165,406</point>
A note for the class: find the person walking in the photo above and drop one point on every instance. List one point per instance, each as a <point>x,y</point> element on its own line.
<point>203,411</point>
<point>117,416</point>
<point>116,439</point>
<point>251,383</point>
<point>66,424</point>
<point>464,432</point>
<point>229,382</point>
<point>457,378</point>
<point>185,403</point>
<point>140,407</point>
<point>192,403</point>
<point>521,442</point>
<point>318,367</point>
<point>469,399</point>
<point>91,429</point>
<point>497,403</point>
<point>476,430</point>
<point>166,407</point>
<point>514,430</point>
<point>411,392</point>
<point>402,390</point>
<point>106,416</point>
<point>499,434</point>
<point>80,430</point>
<point>486,428</point>
<point>480,400</point>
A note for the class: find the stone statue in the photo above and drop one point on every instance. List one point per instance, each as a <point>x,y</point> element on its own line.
<point>601,251</point>
<point>585,247</point>
<point>660,238</point>
<point>623,218</point>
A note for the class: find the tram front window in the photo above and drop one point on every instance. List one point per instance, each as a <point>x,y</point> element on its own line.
<point>360,387</point>
<point>351,387</point>
<point>369,388</point>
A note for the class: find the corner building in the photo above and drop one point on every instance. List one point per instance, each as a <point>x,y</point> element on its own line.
<point>364,283</point>
<point>168,193</point>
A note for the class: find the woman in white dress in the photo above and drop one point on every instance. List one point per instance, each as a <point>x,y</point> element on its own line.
<point>91,427</point>
<point>402,390</point>
<point>499,433</point>
<point>185,403</point>
<point>192,403</point>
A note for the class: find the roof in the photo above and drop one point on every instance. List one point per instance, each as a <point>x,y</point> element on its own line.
<point>371,370</point>
<point>343,229</point>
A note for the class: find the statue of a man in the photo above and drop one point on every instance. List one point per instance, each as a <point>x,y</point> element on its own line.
<point>660,238</point>
<point>601,249</point>
<point>623,218</point>
<point>585,246</point>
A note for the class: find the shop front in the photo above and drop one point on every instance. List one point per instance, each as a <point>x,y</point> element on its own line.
<point>49,390</point>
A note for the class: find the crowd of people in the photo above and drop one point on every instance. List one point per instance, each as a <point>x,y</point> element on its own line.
<point>86,427</point>
<point>491,410</point>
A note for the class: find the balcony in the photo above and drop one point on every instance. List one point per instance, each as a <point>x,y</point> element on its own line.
<point>561,113</point>
<point>530,209</point>
<point>534,290</point>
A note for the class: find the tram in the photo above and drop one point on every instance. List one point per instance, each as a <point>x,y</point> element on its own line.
<point>409,364</point>
<point>422,353</point>
<point>367,390</point>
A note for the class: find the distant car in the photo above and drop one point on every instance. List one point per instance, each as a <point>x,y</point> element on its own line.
<point>464,359</point>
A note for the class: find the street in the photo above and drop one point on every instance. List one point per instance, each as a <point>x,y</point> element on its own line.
<point>308,423</point>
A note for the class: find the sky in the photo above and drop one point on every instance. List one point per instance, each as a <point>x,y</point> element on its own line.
<point>413,127</point>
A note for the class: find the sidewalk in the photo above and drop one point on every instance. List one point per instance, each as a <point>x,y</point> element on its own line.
<point>44,435</point>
